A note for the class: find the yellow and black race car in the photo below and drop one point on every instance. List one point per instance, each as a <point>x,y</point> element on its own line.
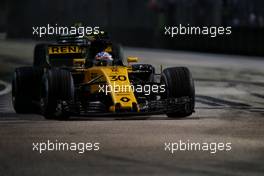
<point>66,80</point>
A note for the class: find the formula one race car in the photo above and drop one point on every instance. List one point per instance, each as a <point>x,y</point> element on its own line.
<point>86,76</point>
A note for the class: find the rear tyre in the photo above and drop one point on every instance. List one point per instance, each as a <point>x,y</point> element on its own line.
<point>179,83</point>
<point>26,89</point>
<point>57,87</point>
<point>40,54</point>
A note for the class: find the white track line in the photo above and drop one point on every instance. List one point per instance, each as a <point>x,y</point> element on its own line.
<point>7,88</point>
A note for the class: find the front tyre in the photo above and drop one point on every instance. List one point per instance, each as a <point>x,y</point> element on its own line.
<point>118,54</point>
<point>179,83</point>
<point>57,87</point>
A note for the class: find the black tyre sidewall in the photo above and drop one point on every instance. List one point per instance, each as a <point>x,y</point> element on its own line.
<point>118,54</point>
<point>26,89</point>
<point>57,85</point>
<point>40,54</point>
<point>179,83</point>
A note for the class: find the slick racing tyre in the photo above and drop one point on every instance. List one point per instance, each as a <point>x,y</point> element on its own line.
<point>26,89</point>
<point>40,54</point>
<point>57,86</point>
<point>179,83</point>
<point>118,54</point>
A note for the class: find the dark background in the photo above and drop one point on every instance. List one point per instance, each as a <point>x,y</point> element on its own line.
<point>141,22</point>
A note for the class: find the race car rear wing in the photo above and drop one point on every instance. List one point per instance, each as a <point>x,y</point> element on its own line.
<point>66,55</point>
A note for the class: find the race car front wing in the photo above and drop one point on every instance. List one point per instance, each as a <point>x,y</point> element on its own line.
<point>149,108</point>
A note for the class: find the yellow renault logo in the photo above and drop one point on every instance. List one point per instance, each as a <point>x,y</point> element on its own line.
<point>64,49</point>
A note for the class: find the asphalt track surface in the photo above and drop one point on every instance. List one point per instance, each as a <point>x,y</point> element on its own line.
<point>229,109</point>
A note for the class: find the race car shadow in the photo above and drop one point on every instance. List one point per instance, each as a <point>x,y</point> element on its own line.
<point>161,117</point>
<point>12,116</point>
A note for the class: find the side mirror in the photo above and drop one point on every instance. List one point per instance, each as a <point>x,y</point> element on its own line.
<point>132,59</point>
